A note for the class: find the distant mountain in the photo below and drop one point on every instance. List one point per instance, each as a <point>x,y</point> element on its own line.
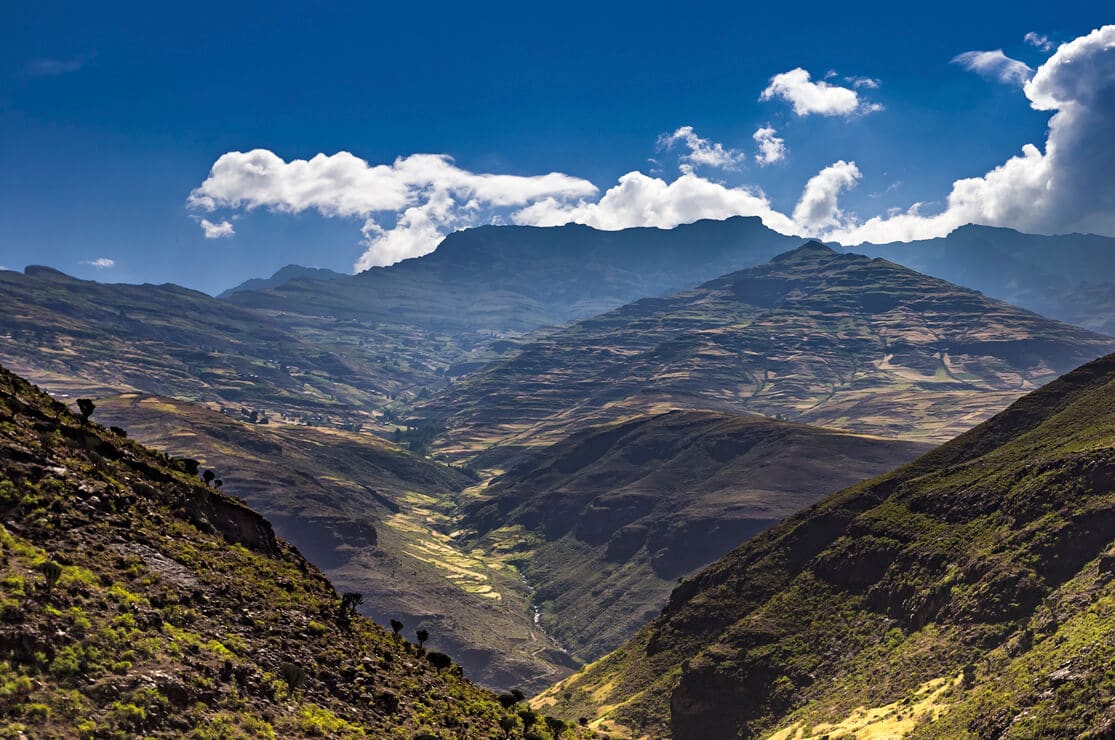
<point>518,278</point>
<point>1069,277</point>
<point>283,276</point>
<point>832,339</point>
<point>138,602</point>
<point>603,523</point>
<point>83,337</point>
<point>375,518</point>
<point>968,594</point>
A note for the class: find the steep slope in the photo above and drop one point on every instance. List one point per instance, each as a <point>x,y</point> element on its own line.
<point>375,518</point>
<point>1069,277</point>
<point>136,601</point>
<point>284,276</point>
<point>837,340</point>
<point>603,523</point>
<point>968,594</point>
<point>517,278</point>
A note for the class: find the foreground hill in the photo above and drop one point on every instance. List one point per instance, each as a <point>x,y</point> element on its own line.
<point>136,601</point>
<point>518,278</point>
<point>376,519</point>
<point>602,524</point>
<point>837,340</point>
<point>968,594</point>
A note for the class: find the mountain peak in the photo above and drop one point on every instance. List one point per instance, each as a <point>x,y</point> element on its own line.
<point>810,249</point>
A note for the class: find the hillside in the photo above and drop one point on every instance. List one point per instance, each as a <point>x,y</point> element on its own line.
<point>518,278</point>
<point>968,594</point>
<point>602,524</point>
<point>284,276</point>
<point>135,600</point>
<point>376,519</point>
<point>80,337</point>
<point>831,339</point>
<point>1070,277</point>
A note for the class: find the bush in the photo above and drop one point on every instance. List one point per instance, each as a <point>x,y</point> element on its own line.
<point>441,661</point>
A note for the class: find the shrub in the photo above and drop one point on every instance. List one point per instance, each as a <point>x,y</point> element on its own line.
<point>293,675</point>
<point>51,571</point>
<point>85,407</point>
<point>441,661</point>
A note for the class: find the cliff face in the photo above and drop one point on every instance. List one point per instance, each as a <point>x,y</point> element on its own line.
<point>136,600</point>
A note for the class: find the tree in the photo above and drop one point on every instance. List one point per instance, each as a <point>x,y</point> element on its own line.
<point>529,717</point>
<point>218,483</point>
<point>293,675</point>
<point>119,432</point>
<point>507,700</point>
<point>349,602</point>
<point>507,724</point>
<point>85,407</point>
<point>208,476</point>
<point>441,661</point>
<point>422,636</point>
<point>51,571</point>
<point>397,626</point>
<point>556,725</point>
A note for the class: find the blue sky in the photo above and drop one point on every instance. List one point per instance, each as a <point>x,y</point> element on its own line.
<point>109,119</point>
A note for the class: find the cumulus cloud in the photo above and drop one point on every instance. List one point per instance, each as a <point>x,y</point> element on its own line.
<point>995,65</point>
<point>425,194</point>
<point>221,230</point>
<point>817,211</point>
<point>702,152</point>
<point>101,263</point>
<point>1065,188</point>
<point>822,98</point>
<point>641,200</point>
<point>771,147</point>
<point>1039,40</point>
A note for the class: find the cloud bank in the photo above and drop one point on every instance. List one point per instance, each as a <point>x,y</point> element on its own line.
<point>101,263</point>
<point>405,208</point>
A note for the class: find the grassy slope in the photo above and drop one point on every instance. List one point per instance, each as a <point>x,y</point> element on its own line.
<point>177,606</point>
<point>986,566</point>
<point>830,339</point>
<point>375,518</point>
<point>603,524</point>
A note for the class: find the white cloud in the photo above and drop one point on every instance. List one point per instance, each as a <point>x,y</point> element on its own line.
<point>702,152</point>
<point>995,65</point>
<point>221,230</point>
<point>822,98</point>
<point>101,263</point>
<point>871,83</point>
<point>426,194</point>
<point>1066,188</point>
<point>641,200</point>
<point>771,147</point>
<point>1039,40</point>
<point>817,211</point>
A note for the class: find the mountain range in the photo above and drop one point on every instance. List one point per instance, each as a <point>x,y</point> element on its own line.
<point>814,335</point>
<point>540,445</point>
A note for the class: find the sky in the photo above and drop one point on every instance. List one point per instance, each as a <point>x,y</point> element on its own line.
<point>204,144</point>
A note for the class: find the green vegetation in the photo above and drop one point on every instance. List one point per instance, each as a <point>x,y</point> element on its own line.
<point>175,611</point>
<point>970,593</point>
